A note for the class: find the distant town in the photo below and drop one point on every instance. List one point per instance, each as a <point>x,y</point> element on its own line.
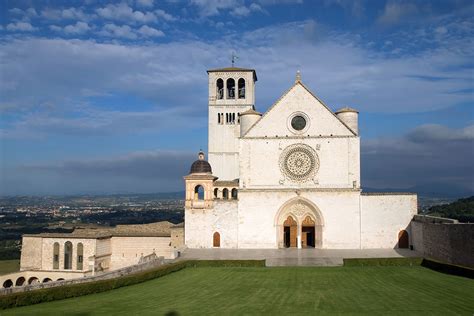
<point>36,214</point>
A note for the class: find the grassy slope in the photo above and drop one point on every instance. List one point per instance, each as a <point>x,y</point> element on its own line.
<point>383,290</point>
<point>8,266</point>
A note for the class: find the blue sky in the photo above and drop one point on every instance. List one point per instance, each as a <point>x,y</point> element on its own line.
<point>110,97</point>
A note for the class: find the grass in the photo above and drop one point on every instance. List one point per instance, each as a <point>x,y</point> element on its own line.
<point>9,266</point>
<point>277,291</point>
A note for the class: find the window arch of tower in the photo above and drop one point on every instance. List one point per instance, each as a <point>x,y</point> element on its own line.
<point>230,88</point>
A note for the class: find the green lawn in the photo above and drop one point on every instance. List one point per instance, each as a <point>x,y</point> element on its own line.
<point>8,266</point>
<point>278,291</point>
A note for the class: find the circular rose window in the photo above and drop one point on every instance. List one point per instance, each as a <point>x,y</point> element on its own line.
<point>298,122</point>
<point>299,162</point>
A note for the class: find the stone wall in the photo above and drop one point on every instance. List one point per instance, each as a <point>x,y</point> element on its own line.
<point>31,253</point>
<point>444,240</point>
<point>73,278</point>
<point>127,251</point>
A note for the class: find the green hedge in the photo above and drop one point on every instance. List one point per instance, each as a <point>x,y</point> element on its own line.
<point>379,262</point>
<point>448,268</point>
<point>74,290</point>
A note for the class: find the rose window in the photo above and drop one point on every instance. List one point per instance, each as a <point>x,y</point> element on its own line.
<point>299,162</point>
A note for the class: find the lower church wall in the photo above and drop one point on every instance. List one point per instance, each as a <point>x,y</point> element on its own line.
<point>383,216</point>
<point>201,224</point>
<point>260,221</point>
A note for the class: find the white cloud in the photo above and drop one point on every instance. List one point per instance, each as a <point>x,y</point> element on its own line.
<point>213,7</point>
<point>395,11</point>
<point>65,14</point>
<point>113,30</point>
<point>72,29</point>
<point>21,27</point>
<point>150,32</point>
<point>145,3</point>
<point>122,12</point>
<point>161,14</point>
<point>78,28</point>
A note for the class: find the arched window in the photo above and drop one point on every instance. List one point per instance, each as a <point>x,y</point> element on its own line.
<point>80,256</point>
<point>67,255</point>
<point>225,194</point>
<point>56,255</point>
<point>241,85</point>
<point>234,194</point>
<point>46,280</point>
<point>230,88</point>
<point>216,190</point>
<point>20,281</point>
<point>220,89</point>
<point>199,192</point>
<point>33,280</point>
<point>216,240</point>
<point>8,283</point>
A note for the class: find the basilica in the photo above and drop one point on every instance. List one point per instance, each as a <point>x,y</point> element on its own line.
<point>289,177</point>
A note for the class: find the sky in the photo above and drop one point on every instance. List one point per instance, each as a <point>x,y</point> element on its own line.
<point>111,97</point>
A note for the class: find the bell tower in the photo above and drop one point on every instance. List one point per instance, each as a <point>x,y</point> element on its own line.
<point>231,92</point>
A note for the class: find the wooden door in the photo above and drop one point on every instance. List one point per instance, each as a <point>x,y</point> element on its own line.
<point>216,240</point>
<point>403,239</point>
<point>293,227</point>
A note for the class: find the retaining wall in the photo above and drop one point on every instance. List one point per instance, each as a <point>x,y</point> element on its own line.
<point>445,240</point>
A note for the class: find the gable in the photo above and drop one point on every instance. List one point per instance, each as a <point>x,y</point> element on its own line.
<point>321,121</point>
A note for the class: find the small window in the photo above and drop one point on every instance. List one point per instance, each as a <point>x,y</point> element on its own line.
<point>234,194</point>
<point>220,89</point>
<point>225,194</point>
<point>241,86</point>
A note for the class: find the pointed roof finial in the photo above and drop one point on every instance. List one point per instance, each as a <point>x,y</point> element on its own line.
<point>298,76</point>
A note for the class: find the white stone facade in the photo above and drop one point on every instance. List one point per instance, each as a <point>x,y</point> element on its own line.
<point>298,173</point>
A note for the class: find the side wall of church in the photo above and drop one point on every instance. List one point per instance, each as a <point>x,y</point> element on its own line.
<point>383,216</point>
<point>259,212</point>
<point>339,162</point>
<point>31,253</point>
<point>201,224</point>
<point>126,251</point>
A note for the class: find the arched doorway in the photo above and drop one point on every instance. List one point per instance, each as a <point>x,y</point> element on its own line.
<point>290,231</point>
<point>403,239</point>
<point>8,283</point>
<point>216,240</point>
<point>307,222</point>
<point>308,233</point>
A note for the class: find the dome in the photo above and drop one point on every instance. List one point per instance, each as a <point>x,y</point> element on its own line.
<point>201,165</point>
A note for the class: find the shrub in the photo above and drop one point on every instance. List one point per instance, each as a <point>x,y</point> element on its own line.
<point>448,268</point>
<point>375,262</point>
<point>74,290</point>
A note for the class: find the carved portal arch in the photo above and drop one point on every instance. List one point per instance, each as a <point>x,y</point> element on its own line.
<point>306,214</point>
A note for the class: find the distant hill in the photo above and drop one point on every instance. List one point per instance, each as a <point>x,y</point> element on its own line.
<point>462,210</point>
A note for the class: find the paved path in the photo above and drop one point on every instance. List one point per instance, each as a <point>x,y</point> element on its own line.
<point>296,257</point>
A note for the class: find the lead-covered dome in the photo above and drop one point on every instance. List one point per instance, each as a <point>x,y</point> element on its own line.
<point>201,165</point>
